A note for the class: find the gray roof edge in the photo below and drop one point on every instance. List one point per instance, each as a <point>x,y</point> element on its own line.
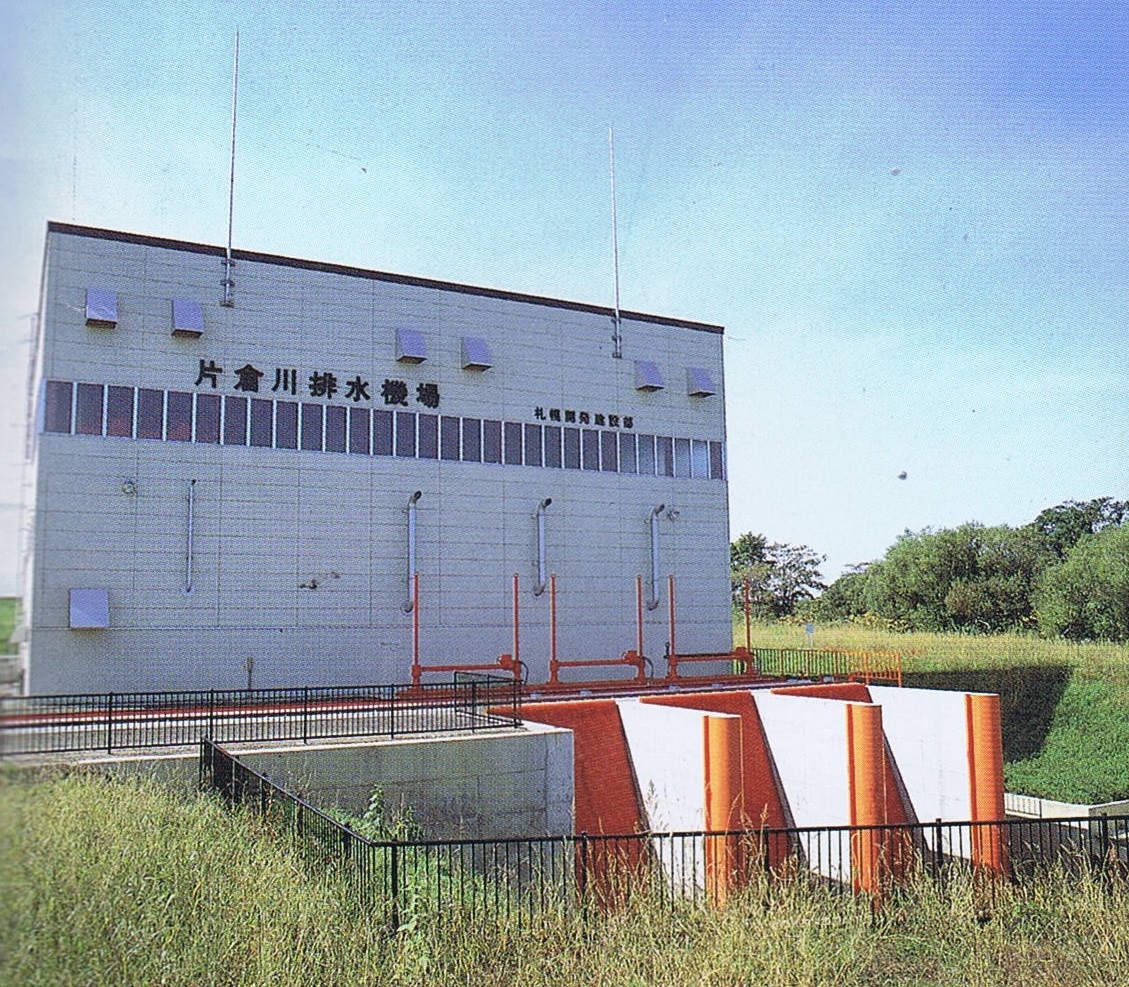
<point>145,240</point>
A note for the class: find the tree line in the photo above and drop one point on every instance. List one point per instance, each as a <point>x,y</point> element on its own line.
<point>1066,573</point>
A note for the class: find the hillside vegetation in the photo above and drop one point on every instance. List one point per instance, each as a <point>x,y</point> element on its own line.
<point>1065,704</point>
<point>125,884</point>
<point>1065,574</point>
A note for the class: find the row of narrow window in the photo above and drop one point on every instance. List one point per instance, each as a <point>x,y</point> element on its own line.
<point>184,416</point>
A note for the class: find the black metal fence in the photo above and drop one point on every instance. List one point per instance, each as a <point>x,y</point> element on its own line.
<point>519,879</point>
<point>117,721</point>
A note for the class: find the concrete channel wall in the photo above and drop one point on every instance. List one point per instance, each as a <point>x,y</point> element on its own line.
<point>482,786</point>
<point>487,786</point>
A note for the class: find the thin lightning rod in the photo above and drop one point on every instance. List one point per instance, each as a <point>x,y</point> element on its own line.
<point>617,336</point>
<point>228,281</point>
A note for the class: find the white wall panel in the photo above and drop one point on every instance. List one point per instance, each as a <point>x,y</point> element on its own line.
<point>808,741</point>
<point>667,749</point>
<point>927,734</point>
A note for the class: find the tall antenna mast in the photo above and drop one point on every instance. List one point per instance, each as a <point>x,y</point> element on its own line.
<point>617,335</point>
<point>228,299</point>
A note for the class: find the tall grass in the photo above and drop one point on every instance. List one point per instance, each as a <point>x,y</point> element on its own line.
<point>122,883</point>
<point>1065,704</point>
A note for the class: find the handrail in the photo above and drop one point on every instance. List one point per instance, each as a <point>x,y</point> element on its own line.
<point>120,721</point>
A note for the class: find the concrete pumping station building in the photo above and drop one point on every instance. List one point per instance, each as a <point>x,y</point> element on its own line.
<point>308,474</point>
<point>254,472</point>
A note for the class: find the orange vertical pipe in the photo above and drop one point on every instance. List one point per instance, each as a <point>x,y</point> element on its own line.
<point>553,666</point>
<point>748,620</point>
<point>986,780</point>
<point>639,615</point>
<point>866,768</point>
<point>417,672</point>
<point>725,804</point>
<point>517,652</point>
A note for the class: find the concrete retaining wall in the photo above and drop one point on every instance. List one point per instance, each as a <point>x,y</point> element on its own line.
<point>488,786</point>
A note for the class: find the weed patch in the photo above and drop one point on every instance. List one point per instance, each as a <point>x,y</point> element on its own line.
<point>124,883</point>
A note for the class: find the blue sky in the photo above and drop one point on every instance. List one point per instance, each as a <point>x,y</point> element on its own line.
<point>911,218</point>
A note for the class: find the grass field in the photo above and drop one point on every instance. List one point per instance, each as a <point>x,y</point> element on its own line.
<point>1065,705</point>
<point>125,884</point>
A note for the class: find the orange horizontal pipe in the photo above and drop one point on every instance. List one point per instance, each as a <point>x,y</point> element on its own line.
<point>712,656</point>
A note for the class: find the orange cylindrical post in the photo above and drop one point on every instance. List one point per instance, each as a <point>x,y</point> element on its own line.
<point>866,767</point>
<point>725,805</point>
<point>986,781</point>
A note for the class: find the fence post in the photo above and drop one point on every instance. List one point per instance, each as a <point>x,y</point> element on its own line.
<point>938,850</point>
<point>212,714</point>
<point>305,714</point>
<point>582,877</point>
<point>473,706</point>
<point>395,887</point>
<point>109,723</point>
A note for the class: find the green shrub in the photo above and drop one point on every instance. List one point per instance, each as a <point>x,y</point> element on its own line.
<point>1086,596</point>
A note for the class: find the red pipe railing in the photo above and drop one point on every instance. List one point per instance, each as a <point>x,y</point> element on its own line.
<point>510,664</point>
<point>629,659</point>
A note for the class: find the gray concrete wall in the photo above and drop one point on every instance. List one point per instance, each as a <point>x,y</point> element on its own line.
<point>485,786</point>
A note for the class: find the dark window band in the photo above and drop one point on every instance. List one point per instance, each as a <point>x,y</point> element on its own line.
<point>181,416</point>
